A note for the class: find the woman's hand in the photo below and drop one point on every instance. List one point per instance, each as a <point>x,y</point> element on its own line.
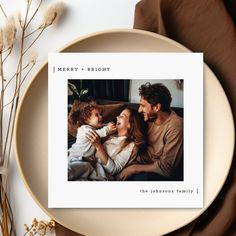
<point>93,137</point>
<point>128,171</point>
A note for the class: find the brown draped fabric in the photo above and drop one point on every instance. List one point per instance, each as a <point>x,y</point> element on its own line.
<point>208,27</point>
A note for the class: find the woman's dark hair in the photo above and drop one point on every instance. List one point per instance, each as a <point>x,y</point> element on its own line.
<point>156,93</point>
<point>138,129</point>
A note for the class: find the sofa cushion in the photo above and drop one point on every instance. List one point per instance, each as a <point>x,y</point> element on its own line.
<point>111,111</point>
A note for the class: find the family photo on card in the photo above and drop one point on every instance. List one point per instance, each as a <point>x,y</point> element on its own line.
<point>142,141</point>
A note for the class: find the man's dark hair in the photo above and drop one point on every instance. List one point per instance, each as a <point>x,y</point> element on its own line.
<point>156,93</point>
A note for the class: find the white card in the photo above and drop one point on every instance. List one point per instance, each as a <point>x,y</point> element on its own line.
<point>181,73</point>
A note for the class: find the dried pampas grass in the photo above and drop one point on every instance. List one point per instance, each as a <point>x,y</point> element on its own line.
<point>9,33</point>
<point>25,63</point>
<point>53,14</point>
<point>33,55</point>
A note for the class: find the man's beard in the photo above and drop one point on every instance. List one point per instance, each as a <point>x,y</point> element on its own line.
<point>150,117</point>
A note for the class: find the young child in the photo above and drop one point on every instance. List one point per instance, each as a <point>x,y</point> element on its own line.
<point>82,151</point>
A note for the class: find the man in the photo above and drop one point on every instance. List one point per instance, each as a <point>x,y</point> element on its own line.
<point>164,154</point>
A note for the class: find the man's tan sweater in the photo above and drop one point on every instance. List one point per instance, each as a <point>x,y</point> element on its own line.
<point>165,144</point>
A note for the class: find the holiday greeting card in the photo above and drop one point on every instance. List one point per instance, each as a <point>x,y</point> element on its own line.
<point>125,130</point>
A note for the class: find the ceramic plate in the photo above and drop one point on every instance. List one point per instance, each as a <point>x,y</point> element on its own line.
<point>31,145</point>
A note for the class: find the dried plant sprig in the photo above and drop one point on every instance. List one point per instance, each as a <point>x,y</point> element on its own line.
<point>1,40</point>
<point>39,227</point>
<point>7,42</point>
<point>35,12</point>
<point>7,215</point>
<point>33,57</point>
<point>18,19</point>
<point>9,36</point>
<point>52,14</point>
<point>18,90</point>
<point>14,76</point>
<point>9,33</point>
<point>3,11</point>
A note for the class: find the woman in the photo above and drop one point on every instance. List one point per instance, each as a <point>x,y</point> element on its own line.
<point>121,149</point>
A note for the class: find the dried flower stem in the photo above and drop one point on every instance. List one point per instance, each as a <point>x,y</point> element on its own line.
<point>18,90</point>
<point>7,41</point>
<point>32,17</point>
<point>5,206</point>
<point>34,31</point>
<point>20,68</point>
<point>18,80</point>
<point>10,51</point>
<point>20,85</point>
<point>37,37</point>
<point>11,79</point>
<point>4,13</point>
<point>1,106</point>
<point>5,224</point>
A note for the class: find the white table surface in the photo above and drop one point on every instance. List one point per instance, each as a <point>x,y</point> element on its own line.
<point>82,17</point>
